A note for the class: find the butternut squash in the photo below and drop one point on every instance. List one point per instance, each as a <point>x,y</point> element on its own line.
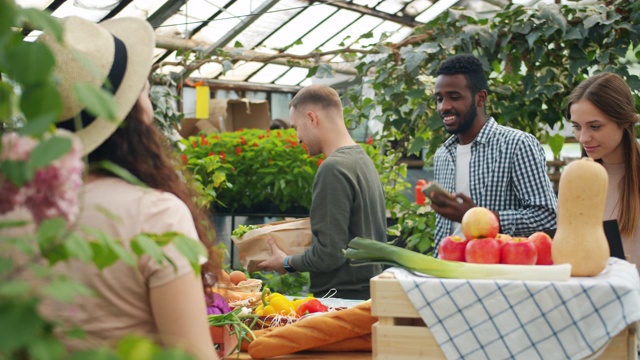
<point>580,239</point>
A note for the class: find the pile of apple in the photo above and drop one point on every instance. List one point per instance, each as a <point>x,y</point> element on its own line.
<point>484,245</point>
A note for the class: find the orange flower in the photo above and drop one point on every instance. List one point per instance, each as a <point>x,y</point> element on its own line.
<point>211,153</point>
<point>369,140</point>
<point>319,162</point>
<point>184,158</point>
<point>238,151</point>
<point>255,144</point>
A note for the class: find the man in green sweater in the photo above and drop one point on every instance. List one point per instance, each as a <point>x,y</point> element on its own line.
<point>348,200</point>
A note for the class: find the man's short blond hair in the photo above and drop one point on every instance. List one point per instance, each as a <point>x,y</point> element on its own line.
<point>319,95</point>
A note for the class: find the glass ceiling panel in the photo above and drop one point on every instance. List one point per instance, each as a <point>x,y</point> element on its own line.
<point>269,22</point>
<point>369,3</point>
<point>361,26</point>
<point>269,73</point>
<point>94,14</point>
<point>390,7</point>
<point>305,21</point>
<point>293,76</point>
<point>36,4</point>
<point>241,71</point>
<point>322,32</point>
<point>225,21</point>
<point>209,70</point>
<point>434,10</point>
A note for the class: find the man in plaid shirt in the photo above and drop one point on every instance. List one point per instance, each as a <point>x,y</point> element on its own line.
<point>486,164</point>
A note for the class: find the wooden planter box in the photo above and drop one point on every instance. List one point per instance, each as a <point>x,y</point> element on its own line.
<point>400,333</point>
<point>223,339</point>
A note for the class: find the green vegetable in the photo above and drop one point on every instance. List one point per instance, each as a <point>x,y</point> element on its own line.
<point>243,229</point>
<point>364,251</point>
<point>236,320</point>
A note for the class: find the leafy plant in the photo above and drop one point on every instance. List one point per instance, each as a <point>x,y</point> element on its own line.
<point>40,172</point>
<point>534,58</point>
<point>294,284</point>
<point>252,166</point>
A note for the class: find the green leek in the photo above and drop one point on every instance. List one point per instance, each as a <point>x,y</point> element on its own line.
<point>362,251</point>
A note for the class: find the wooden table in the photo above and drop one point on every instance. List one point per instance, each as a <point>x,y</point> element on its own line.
<point>309,355</point>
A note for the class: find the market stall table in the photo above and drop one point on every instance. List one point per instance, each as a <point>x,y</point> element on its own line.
<point>425,317</point>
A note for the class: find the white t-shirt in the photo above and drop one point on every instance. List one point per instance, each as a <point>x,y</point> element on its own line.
<point>463,158</point>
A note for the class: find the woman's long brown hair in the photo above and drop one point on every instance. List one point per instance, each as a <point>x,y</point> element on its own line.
<point>144,151</point>
<point>611,94</point>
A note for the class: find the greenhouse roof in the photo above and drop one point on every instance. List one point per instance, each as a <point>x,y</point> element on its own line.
<point>267,34</point>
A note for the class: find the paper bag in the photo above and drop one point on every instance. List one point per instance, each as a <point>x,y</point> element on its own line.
<point>292,236</point>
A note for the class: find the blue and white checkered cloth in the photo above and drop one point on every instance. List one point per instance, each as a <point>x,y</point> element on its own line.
<point>502,319</point>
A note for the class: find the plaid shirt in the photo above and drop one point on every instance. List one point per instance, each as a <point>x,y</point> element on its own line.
<point>507,175</point>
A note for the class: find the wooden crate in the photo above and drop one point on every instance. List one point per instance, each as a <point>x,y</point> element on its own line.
<point>401,334</point>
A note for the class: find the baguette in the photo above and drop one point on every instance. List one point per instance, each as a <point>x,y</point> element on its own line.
<point>314,331</point>
<point>357,343</point>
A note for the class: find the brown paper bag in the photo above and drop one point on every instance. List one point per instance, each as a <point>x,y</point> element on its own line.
<point>292,236</point>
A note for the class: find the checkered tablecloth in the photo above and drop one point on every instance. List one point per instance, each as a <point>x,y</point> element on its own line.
<point>501,319</point>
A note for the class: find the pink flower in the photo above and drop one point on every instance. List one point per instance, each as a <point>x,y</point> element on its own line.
<point>53,190</point>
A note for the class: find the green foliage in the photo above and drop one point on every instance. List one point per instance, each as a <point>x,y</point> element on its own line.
<point>30,104</point>
<point>252,166</point>
<point>164,100</point>
<point>294,284</point>
<point>534,58</point>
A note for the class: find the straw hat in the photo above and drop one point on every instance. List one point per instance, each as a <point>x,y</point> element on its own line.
<point>118,49</point>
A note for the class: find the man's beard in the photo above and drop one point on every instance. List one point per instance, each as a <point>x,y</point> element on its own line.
<point>466,124</point>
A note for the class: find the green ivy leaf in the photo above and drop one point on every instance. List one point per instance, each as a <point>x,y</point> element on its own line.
<point>20,320</point>
<point>18,172</point>
<point>48,151</point>
<point>556,142</point>
<point>78,248</point>
<point>96,101</point>
<point>29,63</point>
<point>6,99</point>
<point>119,171</point>
<point>94,354</point>
<point>135,347</point>
<point>14,289</point>
<point>46,349</point>
<point>191,249</point>
<point>42,20</point>
<point>144,244</point>
<point>65,289</point>
<point>41,106</point>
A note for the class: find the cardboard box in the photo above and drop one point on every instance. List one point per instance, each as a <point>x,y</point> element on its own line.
<point>235,114</point>
<point>401,334</point>
<point>226,115</point>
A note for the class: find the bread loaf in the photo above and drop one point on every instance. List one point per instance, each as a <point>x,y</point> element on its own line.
<point>314,331</point>
<point>357,343</point>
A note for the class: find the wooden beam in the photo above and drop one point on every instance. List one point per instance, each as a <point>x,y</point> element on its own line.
<point>403,20</point>
<point>245,86</point>
<point>175,43</point>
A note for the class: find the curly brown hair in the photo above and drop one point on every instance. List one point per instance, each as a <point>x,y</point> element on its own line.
<point>143,150</point>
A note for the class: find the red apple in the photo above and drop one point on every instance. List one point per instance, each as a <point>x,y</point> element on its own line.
<point>483,251</point>
<point>452,248</point>
<point>543,243</point>
<point>519,251</point>
<point>479,222</point>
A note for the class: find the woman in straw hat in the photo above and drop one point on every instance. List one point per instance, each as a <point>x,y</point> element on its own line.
<point>163,300</point>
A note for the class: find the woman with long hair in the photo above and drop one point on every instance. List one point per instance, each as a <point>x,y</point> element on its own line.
<point>163,300</point>
<point>602,111</point>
